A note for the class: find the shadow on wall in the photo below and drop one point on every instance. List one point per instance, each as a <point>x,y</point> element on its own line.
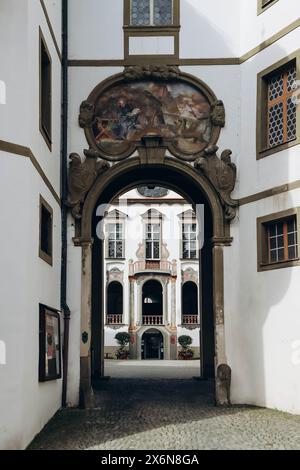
<point>252,326</point>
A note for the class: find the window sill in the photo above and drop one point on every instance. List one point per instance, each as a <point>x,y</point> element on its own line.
<point>152,29</point>
<point>45,257</point>
<point>114,259</point>
<point>279,265</point>
<point>278,148</point>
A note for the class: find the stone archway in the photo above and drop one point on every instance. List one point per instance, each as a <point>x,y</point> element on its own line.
<point>202,178</point>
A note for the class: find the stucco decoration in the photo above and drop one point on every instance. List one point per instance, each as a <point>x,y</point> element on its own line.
<point>221,172</point>
<point>82,175</point>
<point>115,275</point>
<point>157,100</point>
<point>223,383</point>
<point>190,275</point>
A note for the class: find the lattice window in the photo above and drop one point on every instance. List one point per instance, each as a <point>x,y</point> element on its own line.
<point>115,241</point>
<point>151,12</point>
<point>282,240</point>
<point>282,106</point>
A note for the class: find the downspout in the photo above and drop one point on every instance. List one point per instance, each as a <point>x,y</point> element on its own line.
<point>64,194</point>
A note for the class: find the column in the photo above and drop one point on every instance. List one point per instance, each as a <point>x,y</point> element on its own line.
<point>86,313</point>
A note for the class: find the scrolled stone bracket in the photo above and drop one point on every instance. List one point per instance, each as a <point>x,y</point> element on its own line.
<point>221,172</point>
<point>81,177</point>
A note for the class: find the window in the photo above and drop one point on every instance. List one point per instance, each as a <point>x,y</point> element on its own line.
<point>152,241</point>
<point>189,241</point>
<point>45,92</point>
<point>151,12</point>
<point>115,241</point>
<point>263,5</point>
<point>278,113</point>
<point>281,106</point>
<point>278,240</point>
<point>46,229</point>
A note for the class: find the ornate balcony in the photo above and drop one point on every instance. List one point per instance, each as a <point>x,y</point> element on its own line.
<point>190,320</point>
<point>114,319</point>
<point>160,266</point>
<point>152,320</point>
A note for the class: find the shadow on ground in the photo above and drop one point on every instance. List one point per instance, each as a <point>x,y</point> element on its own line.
<point>166,414</point>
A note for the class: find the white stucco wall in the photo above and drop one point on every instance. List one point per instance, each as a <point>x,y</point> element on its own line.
<point>26,280</point>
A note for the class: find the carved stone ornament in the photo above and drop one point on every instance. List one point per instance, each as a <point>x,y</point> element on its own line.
<point>159,72</point>
<point>81,177</point>
<point>86,117</point>
<point>223,383</point>
<point>221,172</point>
<point>218,114</point>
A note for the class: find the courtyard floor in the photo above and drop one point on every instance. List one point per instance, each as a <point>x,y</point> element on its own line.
<point>166,414</point>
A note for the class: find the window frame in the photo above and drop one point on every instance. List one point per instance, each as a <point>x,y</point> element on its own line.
<point>43,311</point>
<point>262,150</point>
<point>46,133</point>
<point>263,262</point>
<point>183,223</point>
<point>115,223</point>
<point>146,31</point>
<point>152,241</point>
<point>262,8</point>
<point>47,257</point>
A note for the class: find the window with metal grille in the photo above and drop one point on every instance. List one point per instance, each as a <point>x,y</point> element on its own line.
<point>189,241</point>
<point>115,241</point>
<point>282,240</point>
<point>151,12</point>
<point>153,241</point>
<point>281,122</point>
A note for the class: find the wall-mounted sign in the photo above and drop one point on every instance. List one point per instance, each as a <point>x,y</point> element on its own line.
<point>50,345</point>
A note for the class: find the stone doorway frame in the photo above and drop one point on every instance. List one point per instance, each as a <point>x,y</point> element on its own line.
<point>220,239</point>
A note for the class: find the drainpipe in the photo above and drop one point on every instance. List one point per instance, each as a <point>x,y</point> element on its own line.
<point>64,195</point>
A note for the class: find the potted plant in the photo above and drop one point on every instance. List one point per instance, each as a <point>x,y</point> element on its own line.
<point>186,353</point>
<point>122,339</point>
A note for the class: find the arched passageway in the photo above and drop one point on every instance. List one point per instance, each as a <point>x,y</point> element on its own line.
<point>184,179</point>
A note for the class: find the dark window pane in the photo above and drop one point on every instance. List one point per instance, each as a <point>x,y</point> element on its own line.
<point>156,250</point>
<point>272,230</point>
<point>280,241</point>
<point>292,252</point>
<point>273,256</point>
<point>148,250</point>
<point>291,239</point>
<point>111,250</point>
<point>281,254</point>
<point>273,243</point>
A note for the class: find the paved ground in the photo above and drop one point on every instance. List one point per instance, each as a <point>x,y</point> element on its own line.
<point>167,414</point>
<point>152,369</point>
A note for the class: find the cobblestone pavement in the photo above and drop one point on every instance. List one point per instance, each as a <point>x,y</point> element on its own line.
<point>166,414</point>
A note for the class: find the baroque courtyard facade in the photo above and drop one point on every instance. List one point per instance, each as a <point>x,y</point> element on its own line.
<point>96,102</point>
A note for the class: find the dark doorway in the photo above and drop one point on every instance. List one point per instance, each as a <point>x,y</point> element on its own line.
<point>114,303</point>
<point>152,303</point>
<point>152,345</point>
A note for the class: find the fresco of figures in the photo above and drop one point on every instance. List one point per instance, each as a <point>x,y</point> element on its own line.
<point>177,112</point>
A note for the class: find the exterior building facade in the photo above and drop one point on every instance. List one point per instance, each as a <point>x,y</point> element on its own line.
<point>152,274</point>
<point>206,75</point>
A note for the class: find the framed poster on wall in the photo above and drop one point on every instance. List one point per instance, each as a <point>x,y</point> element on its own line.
<point>50,345</point>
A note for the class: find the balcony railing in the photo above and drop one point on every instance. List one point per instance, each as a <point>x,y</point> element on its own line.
<point>153,265</point>
<point>114,319</point>
<point>152,319</point>
<point>190,319</point>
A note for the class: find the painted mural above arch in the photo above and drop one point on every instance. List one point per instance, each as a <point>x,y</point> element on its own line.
<point>160,101</point>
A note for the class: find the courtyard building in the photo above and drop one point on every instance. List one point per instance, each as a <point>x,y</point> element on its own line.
<point>150,180</point>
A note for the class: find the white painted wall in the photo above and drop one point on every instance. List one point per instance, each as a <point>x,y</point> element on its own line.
<point>26,405</point>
